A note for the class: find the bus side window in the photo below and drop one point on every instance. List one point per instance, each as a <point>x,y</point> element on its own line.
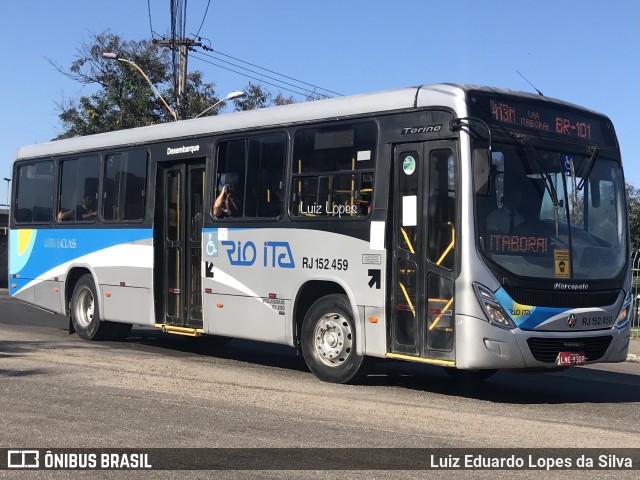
<point>332,171</point>
<point>250,177</point>
<point>125,181</point>
<point>34,193</point>
<point>78,194</point>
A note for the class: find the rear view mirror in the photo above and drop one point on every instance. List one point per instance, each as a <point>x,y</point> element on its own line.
<point>481,171</point>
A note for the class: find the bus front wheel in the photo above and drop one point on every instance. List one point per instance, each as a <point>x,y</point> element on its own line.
<point>85,314</point>
<point>328,340</point>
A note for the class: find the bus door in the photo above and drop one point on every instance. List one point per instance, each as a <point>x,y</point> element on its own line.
<point>424,222</point>
<point>177,239</point>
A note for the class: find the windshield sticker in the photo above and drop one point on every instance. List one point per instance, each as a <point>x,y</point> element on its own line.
<point>409,165</point>
<point>567,164</point>
<point>410,211</point>
<point>364,155</point>
<point>561,261</point>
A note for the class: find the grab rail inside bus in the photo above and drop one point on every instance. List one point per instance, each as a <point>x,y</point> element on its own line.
<point>451,245</point>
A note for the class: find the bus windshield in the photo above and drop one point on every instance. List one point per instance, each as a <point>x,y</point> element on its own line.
<point>551,214</point>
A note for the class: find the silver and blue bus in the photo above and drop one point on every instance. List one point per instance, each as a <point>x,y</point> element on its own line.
<point>467,227</point>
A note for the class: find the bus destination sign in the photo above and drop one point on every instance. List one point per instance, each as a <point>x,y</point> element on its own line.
<point>539,117</point>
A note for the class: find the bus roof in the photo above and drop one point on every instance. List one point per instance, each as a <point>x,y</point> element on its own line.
<point>446,95</point>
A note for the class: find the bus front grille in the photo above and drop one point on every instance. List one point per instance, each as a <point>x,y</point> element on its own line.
<point>545,298</point>
<point>547,349</point>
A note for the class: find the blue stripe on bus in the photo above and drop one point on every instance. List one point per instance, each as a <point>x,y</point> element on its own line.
<point>34,252</point>
<point>526,317</point>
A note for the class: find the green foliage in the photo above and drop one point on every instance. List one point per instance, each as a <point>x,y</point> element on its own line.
<point>255,97</point>
<point>120,97</point>
<point>633,206</point>
<point>123,98</point>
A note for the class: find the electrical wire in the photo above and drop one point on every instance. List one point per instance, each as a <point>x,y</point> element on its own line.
<point>178,28</point>
<point>276,73</point>
<point>204,17</point>
<point>297,92</point>
<point>268,76</point>
<point>149,10</point>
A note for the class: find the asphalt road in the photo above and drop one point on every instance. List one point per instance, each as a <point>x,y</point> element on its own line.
<point>158,390</point>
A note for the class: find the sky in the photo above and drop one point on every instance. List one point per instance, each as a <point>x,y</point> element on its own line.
<point>582,51</point>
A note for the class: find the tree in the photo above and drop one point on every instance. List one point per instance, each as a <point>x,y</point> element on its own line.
<point>282,100</point>
<point>122,97</point>
<point>633,206</point>
<point>255,97</point>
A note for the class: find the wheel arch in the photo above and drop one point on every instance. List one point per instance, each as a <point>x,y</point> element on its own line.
<point>73,275</point>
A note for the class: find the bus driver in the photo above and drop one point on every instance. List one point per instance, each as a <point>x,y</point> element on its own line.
<point>506,218</point>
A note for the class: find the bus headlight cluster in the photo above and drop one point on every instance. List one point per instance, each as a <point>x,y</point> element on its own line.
<point>492,308</point>
<point>625,312</point>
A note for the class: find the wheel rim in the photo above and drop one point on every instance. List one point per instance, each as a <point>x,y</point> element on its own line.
<point>333,339</point>
<point>83,309</point>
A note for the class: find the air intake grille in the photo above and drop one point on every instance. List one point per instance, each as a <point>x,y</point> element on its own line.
<point>544,298</point>
<point>547,349</point>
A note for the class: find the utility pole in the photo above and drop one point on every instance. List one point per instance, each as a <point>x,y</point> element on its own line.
<point>182,47</point>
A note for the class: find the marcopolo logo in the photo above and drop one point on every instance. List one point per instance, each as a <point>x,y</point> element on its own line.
<point>183,149</point>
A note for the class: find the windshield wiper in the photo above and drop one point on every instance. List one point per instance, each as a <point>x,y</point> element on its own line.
<point>534,164</point>
<point>531,154</point>
<point>590,164</point>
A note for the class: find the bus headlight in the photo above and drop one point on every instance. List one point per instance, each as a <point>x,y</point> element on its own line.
<point>625,312</point>
<point>492,308</point>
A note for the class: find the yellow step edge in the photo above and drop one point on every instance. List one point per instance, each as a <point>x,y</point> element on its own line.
<point>186,331</point>
<point>432,361</point>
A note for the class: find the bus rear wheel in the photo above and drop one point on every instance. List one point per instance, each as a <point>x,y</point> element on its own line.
<point>85,314</point>
<point>328,341</point>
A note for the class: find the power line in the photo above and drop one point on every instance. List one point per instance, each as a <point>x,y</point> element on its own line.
<point>276,73</point>
<point>180,46</point>
<point>204,17</point>
<point>297,92</point>
<point>267,76</point>
<point>150,24</point>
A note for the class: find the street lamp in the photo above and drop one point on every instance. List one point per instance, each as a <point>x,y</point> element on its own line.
<point>113,56</point>
<point>230,96</point>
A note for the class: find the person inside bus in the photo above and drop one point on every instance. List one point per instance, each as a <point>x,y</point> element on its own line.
<point>225,204</point>
<point>87,210</point>
<point>364,205</point>
<point>506,218</point>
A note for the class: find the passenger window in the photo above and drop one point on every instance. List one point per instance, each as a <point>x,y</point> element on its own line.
<point>333,171</point>
<point>249,177</point>
<point>78,195</point>
<point>125,185</point>
<point>34,193</point>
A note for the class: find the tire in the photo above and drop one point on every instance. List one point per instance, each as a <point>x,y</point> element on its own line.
<point>469,375</point>
<point>328,341</point>
<point>85,314</point>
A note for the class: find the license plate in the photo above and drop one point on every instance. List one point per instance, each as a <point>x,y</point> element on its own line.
<point>571,358</point>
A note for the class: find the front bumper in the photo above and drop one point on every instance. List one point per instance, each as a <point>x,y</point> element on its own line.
<point>481,345</point>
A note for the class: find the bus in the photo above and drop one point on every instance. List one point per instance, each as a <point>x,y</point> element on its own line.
<point>461,226</point>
